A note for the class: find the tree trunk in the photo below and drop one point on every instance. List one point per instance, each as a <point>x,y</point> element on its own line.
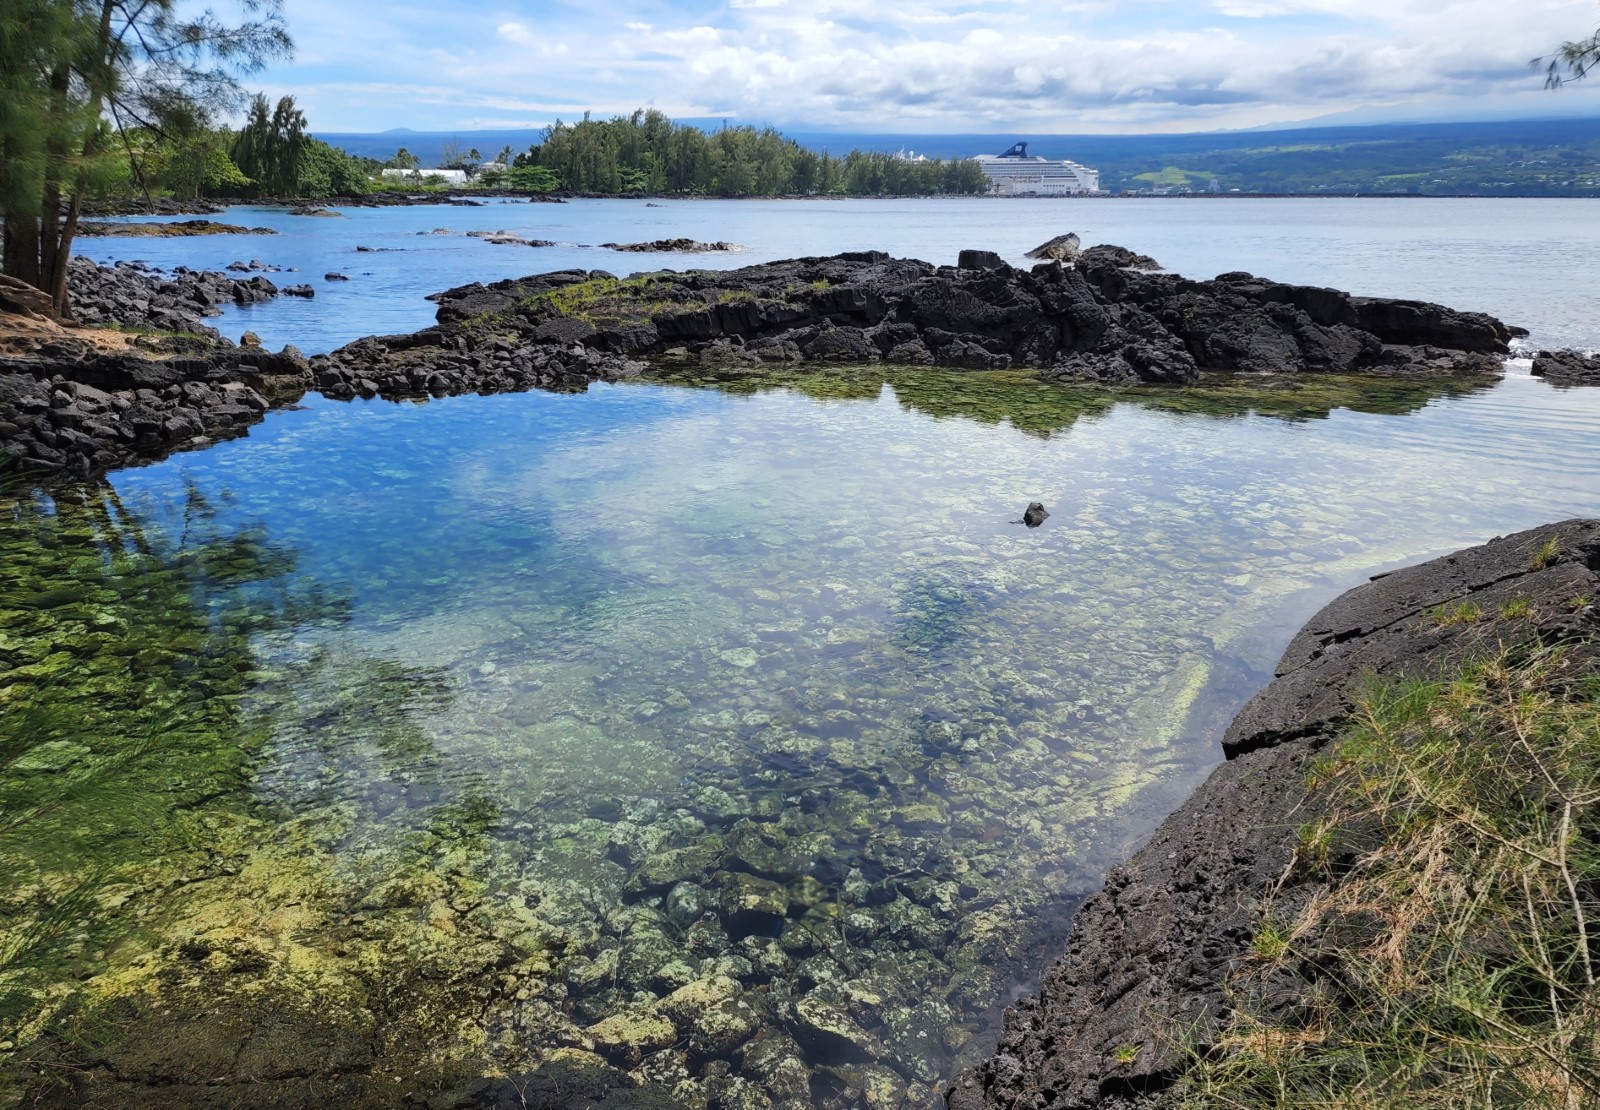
<point>57,278</point>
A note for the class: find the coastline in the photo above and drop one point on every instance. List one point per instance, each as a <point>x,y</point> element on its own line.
<point>1152,981</point>
<point>1105,317</point>
<point>395,355</point>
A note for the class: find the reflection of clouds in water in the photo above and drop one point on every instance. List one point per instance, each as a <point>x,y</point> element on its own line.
<point>674,623</point>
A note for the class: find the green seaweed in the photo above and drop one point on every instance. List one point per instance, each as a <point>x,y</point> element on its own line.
<point>1024,401</point>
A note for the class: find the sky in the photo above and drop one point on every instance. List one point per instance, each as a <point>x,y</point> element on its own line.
<point>928,66</point>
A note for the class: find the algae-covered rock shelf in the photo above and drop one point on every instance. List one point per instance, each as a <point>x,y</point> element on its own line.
<point>1099,319</point>
<point>1104,318</point>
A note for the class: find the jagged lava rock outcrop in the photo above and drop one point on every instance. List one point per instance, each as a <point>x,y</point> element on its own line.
<point>1100,319</point>
<point>1567,367</point>
<point>131,294</point>
<point>1145,978</point>
<point>77,409</point>
<point>76,402</point>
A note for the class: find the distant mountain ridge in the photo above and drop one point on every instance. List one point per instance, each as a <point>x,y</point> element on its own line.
<point>1506,158</point>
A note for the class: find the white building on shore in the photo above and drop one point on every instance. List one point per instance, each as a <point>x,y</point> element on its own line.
<point>1016,173</point>
<point>451,177</point>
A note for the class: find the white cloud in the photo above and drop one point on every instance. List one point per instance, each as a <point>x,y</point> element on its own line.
<point>956,65</point>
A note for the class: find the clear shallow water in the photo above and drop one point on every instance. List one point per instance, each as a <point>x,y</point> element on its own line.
<point>1527,261</point>
<point>736,737</point>
<point>662,722</point>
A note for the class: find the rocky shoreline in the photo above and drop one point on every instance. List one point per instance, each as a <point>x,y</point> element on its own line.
<point>1147,981</point>
<point>141,377</point>
<point>1102,317</point>
<point>1097,320</point>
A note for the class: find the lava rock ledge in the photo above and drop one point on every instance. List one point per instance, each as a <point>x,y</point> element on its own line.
<point>1145,978</point>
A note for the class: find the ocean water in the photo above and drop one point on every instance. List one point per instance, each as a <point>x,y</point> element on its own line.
<point>737,735</point>
<point>1526,261</point>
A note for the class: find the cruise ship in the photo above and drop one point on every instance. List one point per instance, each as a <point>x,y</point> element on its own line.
<point>1018,174</point>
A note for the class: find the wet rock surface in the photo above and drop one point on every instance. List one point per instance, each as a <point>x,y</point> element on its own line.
<point>1146,976</point>
<point>1567,367</point>
<point>82,411</point>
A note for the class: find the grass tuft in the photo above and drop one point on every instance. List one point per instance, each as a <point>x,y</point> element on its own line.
<point>1516,609</point>
<point>1548,552</point>
<point>1455,964</point>
<point>1462,612</point>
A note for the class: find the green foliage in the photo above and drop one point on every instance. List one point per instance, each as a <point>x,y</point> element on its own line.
<point>1462,612</point>
<point>648,153</point>
<point>1524,158</point>
<point>1456,956</point>
<point>327,171</point>
<point>535,179</point>
<point>1572,61</point>
<point>75,78</point>
<point>1547,553</point>
<point>1270,942</point>
<point>1172,176</point>
<point>271,146</point>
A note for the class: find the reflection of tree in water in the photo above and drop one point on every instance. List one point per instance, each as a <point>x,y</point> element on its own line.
<point>1043,408</point>
<point>124,647</point>
<point>136,699</point>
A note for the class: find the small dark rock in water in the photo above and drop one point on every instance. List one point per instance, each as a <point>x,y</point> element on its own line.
<point>335,276</point>
<point>299,291</point>
<point>1063,248</point>
<point>1567,367</point>
<point>980,260</point>
<point>1035,514</point>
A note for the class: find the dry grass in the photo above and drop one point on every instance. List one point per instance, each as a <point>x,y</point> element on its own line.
<point>1453,964</point>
